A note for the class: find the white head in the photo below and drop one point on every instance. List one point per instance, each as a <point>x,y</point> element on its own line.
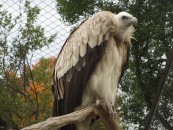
<point>125,19</point>
<point>124,22</point>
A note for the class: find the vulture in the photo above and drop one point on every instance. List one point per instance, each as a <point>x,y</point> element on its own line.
<point>91,63</point>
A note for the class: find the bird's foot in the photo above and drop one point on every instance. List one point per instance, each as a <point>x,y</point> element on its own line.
<point>108,106</point>
<point>111,109</point>
<point>98,102</point>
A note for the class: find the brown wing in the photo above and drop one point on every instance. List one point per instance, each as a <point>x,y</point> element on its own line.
<point>77,61</point>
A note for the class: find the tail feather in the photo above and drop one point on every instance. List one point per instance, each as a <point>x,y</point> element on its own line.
<point>56,112</point>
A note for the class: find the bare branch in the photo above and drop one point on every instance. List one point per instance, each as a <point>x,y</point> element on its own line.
<point>54,123</point>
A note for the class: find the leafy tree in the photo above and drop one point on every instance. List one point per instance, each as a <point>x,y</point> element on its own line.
<point>148,56</point>
<point>73,10</point>
<point>42,73</point>
<point>39,89</point>
<point>23,107</point>
<point>21,95</point>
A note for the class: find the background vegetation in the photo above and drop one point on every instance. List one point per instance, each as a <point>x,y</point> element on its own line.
<point>154,38</point>
<point>25,89</point>
<point>25,96</point>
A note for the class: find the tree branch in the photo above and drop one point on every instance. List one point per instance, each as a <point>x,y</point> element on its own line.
<point>54,123</point>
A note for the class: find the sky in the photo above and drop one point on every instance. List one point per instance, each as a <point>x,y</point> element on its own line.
<point>48,18</point>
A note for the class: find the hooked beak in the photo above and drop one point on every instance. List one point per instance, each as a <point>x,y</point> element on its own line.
<point>134,21</point>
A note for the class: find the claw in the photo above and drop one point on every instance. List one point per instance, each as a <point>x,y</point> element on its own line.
<point>109,107</point>
<point>98,102</point>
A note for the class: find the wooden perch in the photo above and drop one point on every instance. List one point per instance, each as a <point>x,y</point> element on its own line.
<point>54,123</point>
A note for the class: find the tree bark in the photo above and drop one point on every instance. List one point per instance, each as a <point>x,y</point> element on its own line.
<point>54,123</point>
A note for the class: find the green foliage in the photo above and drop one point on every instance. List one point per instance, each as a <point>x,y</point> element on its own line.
<point>31,35</point>
<point>73,10</point>
<point>21,92</point>
<point>24,106</point>
<point>6,25</point>
<point>148,54</point>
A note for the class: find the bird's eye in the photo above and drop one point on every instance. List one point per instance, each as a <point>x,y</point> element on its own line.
<point>124,17</point>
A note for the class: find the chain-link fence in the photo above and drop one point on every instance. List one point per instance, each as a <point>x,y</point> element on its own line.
<point>32,33</point>
<point>48,18</point>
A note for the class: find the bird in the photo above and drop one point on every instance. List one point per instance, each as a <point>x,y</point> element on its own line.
<point>91,63</point>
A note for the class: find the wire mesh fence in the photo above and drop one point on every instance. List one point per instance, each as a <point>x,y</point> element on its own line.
<point>32,34</point>
<point>48,18</point>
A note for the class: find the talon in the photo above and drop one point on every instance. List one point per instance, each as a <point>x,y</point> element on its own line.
<point>111,110</point>
<point>97,102</point>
